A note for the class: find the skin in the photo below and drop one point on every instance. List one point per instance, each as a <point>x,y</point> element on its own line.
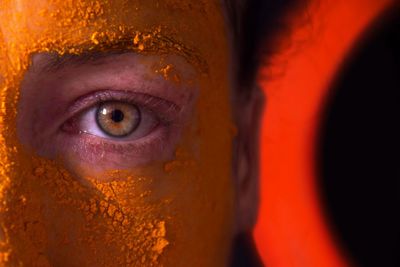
<point>170,195</point>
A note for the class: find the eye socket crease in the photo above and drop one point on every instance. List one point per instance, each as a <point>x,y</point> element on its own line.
<point>168,108</point>
<point>163,121</point>
<point>75,88</point>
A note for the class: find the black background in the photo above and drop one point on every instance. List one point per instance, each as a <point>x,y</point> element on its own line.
<point>359,152</point>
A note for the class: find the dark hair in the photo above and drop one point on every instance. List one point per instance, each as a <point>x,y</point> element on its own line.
<point>255,24</point>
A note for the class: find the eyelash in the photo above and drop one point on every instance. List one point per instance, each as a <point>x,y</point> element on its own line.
<point>151,103</point>
<point>166,113</point>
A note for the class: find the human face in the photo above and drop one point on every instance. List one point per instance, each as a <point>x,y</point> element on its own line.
<point>116,133</point>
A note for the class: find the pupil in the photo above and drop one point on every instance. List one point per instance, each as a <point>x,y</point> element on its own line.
<point>117,115</point>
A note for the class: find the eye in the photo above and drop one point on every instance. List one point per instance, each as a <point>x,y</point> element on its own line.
<point>116,120</point>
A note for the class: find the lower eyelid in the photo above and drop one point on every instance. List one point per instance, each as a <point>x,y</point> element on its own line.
<point>158,145</point>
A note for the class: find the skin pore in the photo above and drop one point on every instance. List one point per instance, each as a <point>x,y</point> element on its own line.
<point>165,194</point>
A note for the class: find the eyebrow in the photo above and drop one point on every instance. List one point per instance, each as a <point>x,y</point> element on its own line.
<point>57,62</point>
<point>93,52</point>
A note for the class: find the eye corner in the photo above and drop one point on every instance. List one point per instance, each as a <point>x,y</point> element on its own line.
<point>71,126</point>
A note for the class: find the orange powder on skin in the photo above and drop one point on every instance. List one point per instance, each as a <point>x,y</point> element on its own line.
<point>169,73</point>
<point>75,215</point>
<point>179,214</point>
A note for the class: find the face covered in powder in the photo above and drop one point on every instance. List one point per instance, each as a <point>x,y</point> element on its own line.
<point>116,133</point>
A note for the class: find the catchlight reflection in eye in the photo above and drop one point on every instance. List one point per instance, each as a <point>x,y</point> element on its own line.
<point>118,119</point>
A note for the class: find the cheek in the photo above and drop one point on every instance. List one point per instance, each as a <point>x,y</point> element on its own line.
<point>52,219</point>
<point>171,214</point>
<point>203,170</point>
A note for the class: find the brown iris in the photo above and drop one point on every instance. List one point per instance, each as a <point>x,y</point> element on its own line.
<point>118,119</point>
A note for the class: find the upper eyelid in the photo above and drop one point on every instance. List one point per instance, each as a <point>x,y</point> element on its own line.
<point>167,108</point>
